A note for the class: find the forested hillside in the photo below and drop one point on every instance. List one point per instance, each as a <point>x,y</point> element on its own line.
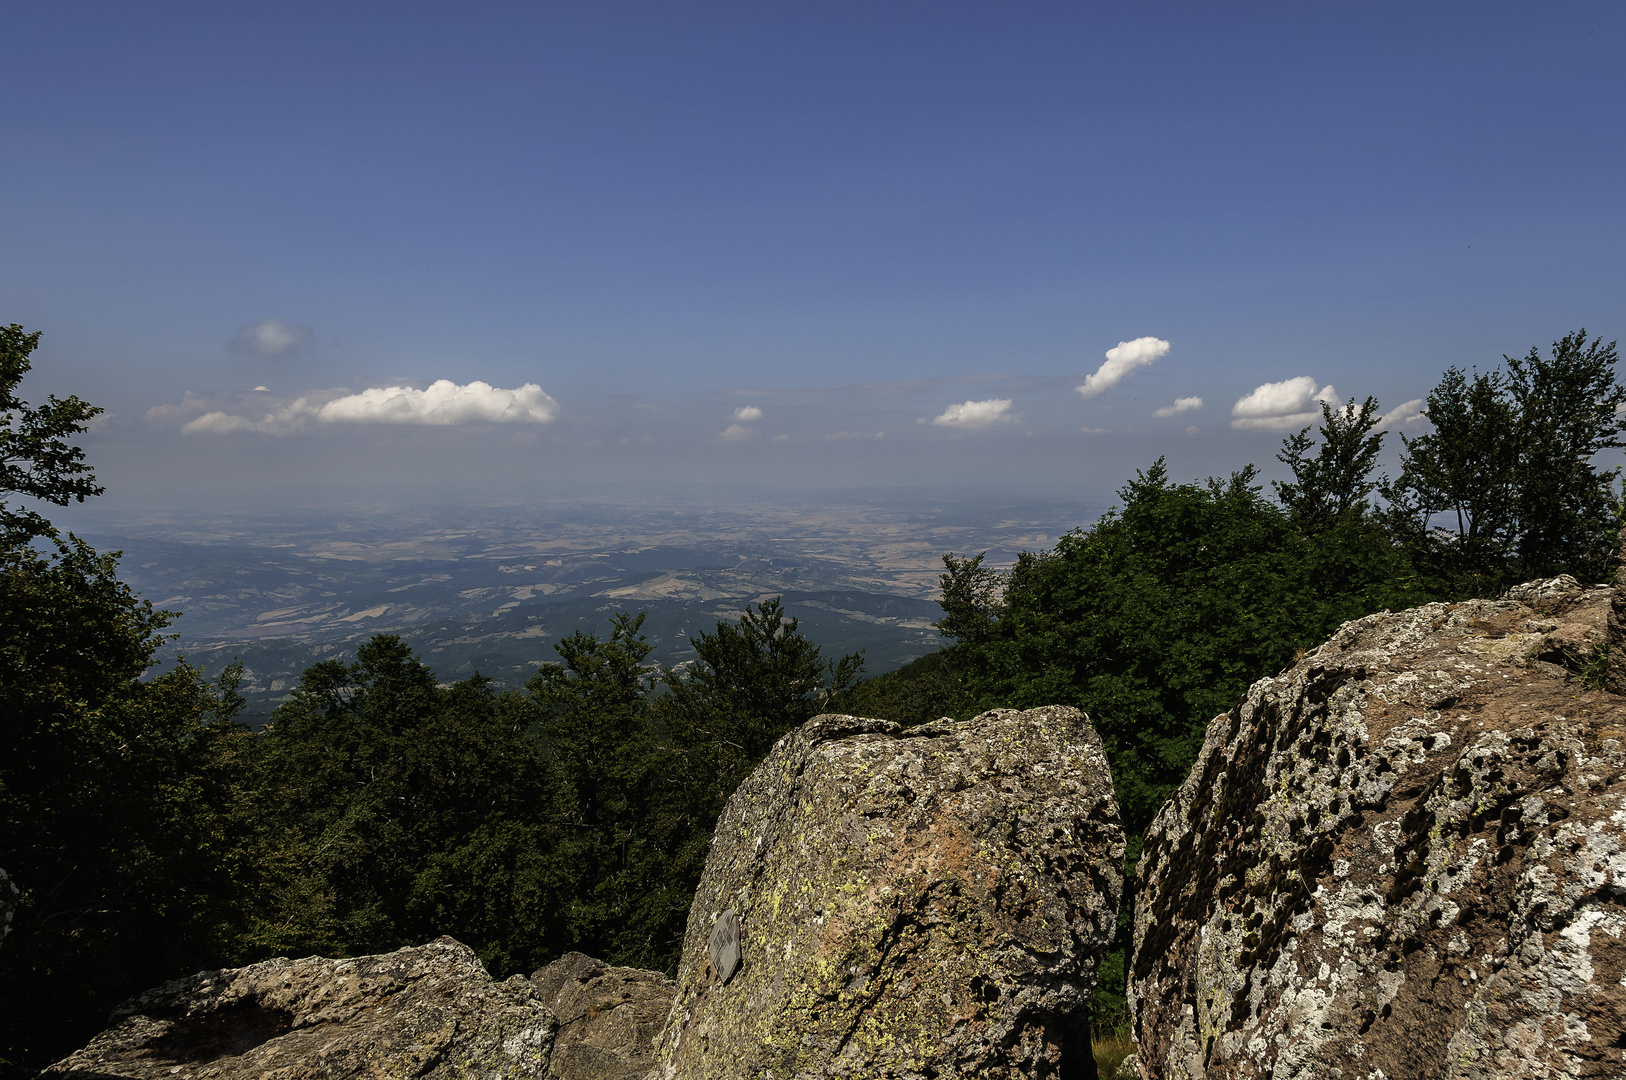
<point>152,834</point>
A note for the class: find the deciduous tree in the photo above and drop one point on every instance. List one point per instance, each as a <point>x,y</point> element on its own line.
<point>1336,480</point>
<point>37,458</point>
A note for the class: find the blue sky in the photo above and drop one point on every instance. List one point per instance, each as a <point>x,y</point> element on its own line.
<point>610,228</point>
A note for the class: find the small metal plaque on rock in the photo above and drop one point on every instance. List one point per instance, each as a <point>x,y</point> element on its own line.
<point>725,945</point>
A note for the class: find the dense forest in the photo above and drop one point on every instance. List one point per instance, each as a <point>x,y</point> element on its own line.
<point>151,833</point>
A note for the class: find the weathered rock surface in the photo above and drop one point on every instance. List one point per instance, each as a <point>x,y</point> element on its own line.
<point>1404,857</point>
<point>929,902</point>
<point>430,1012</point>
<point>608,1017</point>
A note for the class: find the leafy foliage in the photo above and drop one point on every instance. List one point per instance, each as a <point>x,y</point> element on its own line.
<point>600,743</point>
<point>578,816</point>
<point>390,808</point>
<point>1568,409</point>
<point>758,679</point>
<point>1511,464</point>
<point>1159,616</point>
<point>1335,481</point>
<point>927,688</point>
<point>116,800</point>
<point>36,459</point>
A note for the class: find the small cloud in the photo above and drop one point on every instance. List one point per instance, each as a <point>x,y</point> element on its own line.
<point>1407,415</point>
<point>748,413</point>
<point>1095,431</point>
<point>1193,430</point>
<point>1185,404</point>
<point>284,420</point>
<point>781,438</point>
<point>734,433</point>
<point>219,423</point>
<point>271,337</point>
<point>857,435</point>
<point>976,415</point>
<point>1282,406</point>
<point>263,389</point>
<point>172,414</point>
<point>1123,358</point>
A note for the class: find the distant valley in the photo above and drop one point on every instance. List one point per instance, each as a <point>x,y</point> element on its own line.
<point>492,589</point>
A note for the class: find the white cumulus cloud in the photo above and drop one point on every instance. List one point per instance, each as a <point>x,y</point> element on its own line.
<point>1122,358</point>
<point>976,415</point>
<point>1282,406</point>
<point>747,413</point>
<point>735,432</point>
<point>443,402</point>
<point>1185,404</point>
<point>271,337</point>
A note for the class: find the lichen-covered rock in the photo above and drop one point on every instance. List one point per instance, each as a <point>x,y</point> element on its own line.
<point>929,902</point>
<point>608,1017</point>
<point>1545,591</point>
<point>430,1012</point>
<point>1404,857</point>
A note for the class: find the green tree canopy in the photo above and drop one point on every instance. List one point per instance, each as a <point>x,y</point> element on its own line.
<point>37,460</point>
<point>1336,480</point>
<point>1569,409</point>
<point>611,857</point>
<point>391,809</point>
<point>1511,463</point>
<point>116,801</point>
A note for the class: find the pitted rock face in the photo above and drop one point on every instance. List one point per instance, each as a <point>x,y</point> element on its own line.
<point>1404,857</point>
<point>430,1012</point>
<point>608,1017</point>
<point>929,902</point>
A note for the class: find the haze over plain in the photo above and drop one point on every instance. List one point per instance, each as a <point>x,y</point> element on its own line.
<point>423,253</point>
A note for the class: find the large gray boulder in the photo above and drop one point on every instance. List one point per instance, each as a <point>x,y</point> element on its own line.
<point>430,1012</point>
<point>929,902</point>
<point>608,1017</point>
<point>1403,857</point>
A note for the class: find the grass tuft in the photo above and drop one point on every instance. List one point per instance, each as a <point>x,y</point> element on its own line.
<point>1110,1052</point>
<point>1111,1043</point>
